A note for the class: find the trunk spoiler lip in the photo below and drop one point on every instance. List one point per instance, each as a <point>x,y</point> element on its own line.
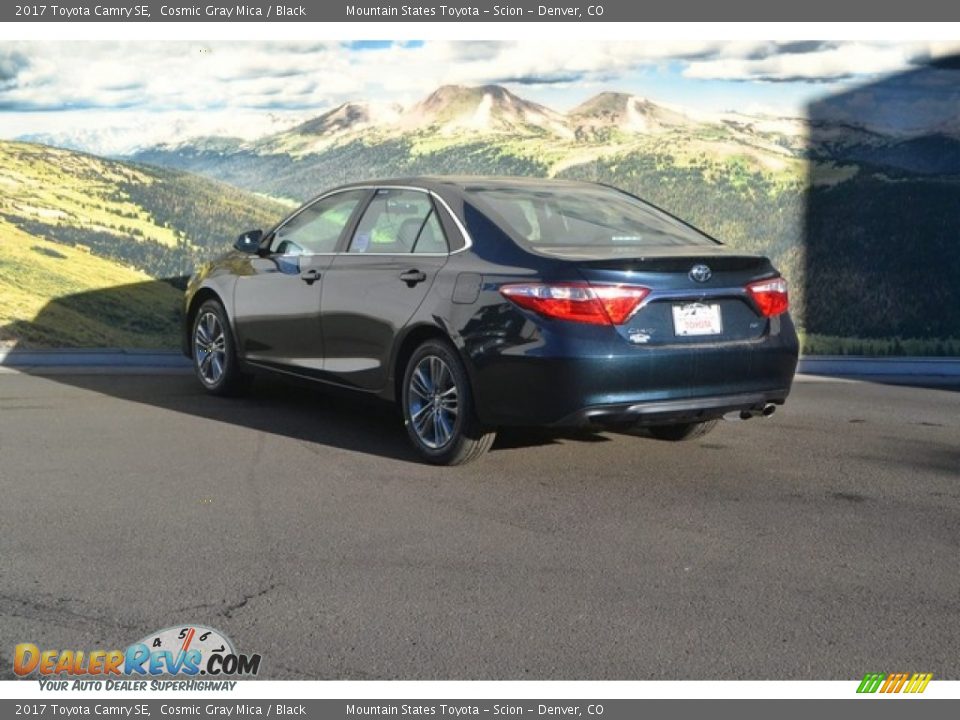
<point>650,254</point>
<point>754,264</point>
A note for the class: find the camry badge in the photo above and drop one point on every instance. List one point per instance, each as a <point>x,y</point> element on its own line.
<point>700,273</point>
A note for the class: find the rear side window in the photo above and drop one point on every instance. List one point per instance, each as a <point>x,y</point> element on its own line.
<point>583,217</point>
<point>399,222</point>
<point>431,239</point>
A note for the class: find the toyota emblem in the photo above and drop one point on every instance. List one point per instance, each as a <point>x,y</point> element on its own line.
<point>700,273</point>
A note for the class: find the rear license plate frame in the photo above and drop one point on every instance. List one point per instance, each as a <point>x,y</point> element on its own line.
<point>697,319</point>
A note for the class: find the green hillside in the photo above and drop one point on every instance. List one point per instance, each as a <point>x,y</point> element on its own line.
<point>61,296</point>
<point>85,244</point>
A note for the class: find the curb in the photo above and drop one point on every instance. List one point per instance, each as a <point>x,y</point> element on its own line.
<point>120,360</point>
<point>95,360</point>
<point>874,368</point>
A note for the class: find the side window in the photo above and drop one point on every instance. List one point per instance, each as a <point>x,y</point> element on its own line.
<point>431,238</point>
<point>396,221</point>
<point>317,228</point>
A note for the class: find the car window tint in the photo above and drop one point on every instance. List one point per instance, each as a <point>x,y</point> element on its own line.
<point>584,216</point>
<point>431,238</point>
<point>393,222</point>
<point>317,228</point>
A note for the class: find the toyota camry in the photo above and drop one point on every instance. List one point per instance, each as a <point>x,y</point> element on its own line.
<point>476,303</point>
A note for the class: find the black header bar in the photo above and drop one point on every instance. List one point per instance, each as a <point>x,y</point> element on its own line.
<point>478,11</point>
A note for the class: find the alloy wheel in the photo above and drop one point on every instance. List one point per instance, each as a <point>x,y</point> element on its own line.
<point>209,342</point>
<point>433,402</point>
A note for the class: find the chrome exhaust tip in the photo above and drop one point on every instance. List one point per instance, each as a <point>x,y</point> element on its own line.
<point>764,412</point>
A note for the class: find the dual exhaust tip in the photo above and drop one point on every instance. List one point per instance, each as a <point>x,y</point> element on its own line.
<point>764,412</point>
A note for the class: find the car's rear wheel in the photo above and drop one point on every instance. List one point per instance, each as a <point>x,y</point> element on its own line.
<point>214,352</point>
<point>438,407</point>
<point>681,431</point>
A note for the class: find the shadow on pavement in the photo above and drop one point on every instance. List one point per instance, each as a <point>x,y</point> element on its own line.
<point>150,312</point>
<point>294,409</point>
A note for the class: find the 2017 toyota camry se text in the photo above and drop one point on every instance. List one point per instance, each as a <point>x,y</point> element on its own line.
<point>477,303</point>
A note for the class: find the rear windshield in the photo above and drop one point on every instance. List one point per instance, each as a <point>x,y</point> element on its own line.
<point>545,217</point>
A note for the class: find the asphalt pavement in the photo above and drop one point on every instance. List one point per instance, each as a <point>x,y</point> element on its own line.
<point>822,543</point>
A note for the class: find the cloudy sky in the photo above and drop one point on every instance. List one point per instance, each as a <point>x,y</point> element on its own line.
<point>113,97</point>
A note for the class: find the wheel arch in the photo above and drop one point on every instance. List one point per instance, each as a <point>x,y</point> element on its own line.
<point>199,298</point>
<point>411,340</point>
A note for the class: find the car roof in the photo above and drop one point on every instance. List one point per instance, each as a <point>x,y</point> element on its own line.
<point>465,183</point>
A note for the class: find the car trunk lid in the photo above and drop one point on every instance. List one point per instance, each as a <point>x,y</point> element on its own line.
<point>697,294</point>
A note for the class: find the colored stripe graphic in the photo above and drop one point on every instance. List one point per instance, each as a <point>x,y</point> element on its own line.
<point>894,683</point>
<point>870,683</point>
<point>918,683</point>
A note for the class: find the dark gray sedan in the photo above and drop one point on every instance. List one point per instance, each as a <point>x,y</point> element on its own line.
<point>476,303</point>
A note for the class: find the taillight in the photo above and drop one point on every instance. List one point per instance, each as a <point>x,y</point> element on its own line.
<point>579,302</point>
<point>770,296</point>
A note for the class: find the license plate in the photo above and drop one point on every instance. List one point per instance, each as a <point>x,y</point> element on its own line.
<point>696,319</point>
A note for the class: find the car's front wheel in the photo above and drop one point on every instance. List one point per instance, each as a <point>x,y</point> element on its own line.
<point>438,407</point>
<point>214,352</point>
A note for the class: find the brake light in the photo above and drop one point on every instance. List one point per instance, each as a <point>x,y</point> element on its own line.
<point>770,296</point>
<point>579,302</point>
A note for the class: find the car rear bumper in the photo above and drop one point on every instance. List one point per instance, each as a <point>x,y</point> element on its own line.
<point>673,411</point>
<point>544,384</point>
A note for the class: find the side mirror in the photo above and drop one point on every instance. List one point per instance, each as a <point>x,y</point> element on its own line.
<point>249,242</point>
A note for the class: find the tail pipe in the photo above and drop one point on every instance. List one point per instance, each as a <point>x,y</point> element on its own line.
<point>764,412</point>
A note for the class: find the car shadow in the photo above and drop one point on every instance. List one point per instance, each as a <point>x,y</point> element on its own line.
<point>295,409</point>
<point>278,405</point>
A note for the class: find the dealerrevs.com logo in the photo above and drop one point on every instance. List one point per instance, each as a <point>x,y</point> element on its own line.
<point>182,652</point>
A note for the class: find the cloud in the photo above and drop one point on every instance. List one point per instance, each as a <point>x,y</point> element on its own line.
<point>477,51</point>
<point>550,79</point>
<point>798,47</point>
<point>239,79</point>
<point>919,100</point>
<point>11,65</point>
<point>169,75</point>
<point>815,62</point>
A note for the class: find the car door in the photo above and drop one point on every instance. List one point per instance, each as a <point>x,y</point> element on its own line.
<point>277,304</point>
<point>374,287</point>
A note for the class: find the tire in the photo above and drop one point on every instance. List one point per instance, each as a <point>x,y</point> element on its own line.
<point>213,350</point>
<point>681,431</point>
<point>437,406</point>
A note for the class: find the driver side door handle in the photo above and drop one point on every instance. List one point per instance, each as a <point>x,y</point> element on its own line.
<point>412,277</point>
<point>310,276</point>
